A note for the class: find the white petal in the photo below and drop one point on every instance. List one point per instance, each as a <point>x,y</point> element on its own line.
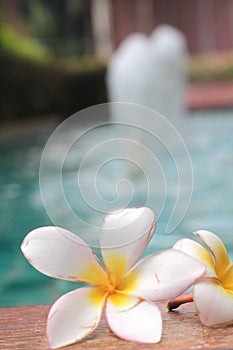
<point>141,323</point>
<point>196,250</point>
<point>124,236</point>
<point>163,276</point>
<point>213,302</point>
<point>74,315</point>
<point>59,253</point>
<point>217,248</point>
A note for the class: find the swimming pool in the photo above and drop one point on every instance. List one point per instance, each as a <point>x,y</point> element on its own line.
<point>209,137</point>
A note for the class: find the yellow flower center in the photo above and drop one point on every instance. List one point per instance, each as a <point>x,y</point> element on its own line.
<point>110,288</point>
<point>226,278</point>
<point>115,286</point>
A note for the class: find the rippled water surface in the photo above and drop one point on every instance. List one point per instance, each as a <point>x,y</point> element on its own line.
<point>209,137</point>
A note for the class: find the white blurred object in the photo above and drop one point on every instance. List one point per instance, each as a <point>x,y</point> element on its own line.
<point>151,72</point>
<point>128,78</point>
<point>170,57</point>
<point>129,71</point>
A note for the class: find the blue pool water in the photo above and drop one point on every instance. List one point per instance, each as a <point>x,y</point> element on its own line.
<point>209,137</point>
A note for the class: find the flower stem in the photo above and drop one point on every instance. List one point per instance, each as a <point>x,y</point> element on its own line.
<point>183,299</point>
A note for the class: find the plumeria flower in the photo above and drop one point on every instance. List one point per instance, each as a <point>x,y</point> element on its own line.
<point>125,289</point>
<point>213,293</point>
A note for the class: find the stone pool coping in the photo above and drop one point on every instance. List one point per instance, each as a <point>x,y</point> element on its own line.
<point>25,328</point>
<point>210,95</point>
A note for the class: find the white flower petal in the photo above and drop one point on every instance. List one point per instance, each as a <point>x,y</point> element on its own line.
<point>141,323</point>
<point>163,276</point>
<point>213,302</point>
<point>59,253</point>
<point>217,248</point>
<point>196,250</point>
<point>74,315</point>
<point>124,236</point>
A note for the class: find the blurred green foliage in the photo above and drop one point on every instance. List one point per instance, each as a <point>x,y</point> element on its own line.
<point>22,46</point>
<point>36,82</point>
<point>59,86</point>
<point>212,67</point>
<point>41,21</point>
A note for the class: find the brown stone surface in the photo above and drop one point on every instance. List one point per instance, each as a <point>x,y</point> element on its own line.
<point>24,328</point>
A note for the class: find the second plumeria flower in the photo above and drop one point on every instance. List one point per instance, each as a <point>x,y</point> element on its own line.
<point>213,293</point>
<point>126,289</point>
